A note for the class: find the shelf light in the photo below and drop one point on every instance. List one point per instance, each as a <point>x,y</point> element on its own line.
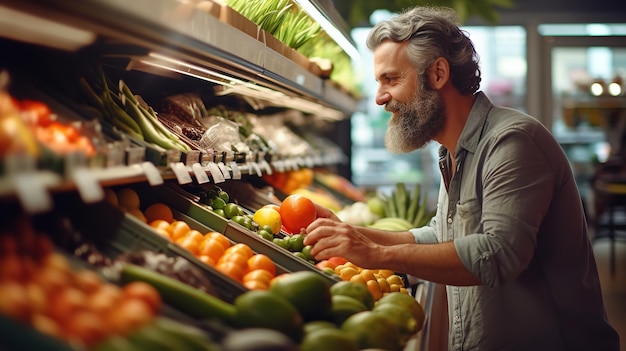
<point>32,29</point>
<point>232,85</point>
<point>330,29</point>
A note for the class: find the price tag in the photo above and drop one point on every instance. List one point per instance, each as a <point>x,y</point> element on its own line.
<point>256,168</point>
<point>266,167</point>
<point>225,170</point>
<point>152,173</point>
<point>309,162</point>
<point>88,186</point>
<point>278,165</point>
<point>181,172</point>
<point>217,175</point>
<point>235,169</point>
<point>200,173</point>
<point>32,193</point>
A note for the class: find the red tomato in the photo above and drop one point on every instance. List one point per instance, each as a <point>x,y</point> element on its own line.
<point>297,212</point>
<point>336,260</point>
<point>40,111</point>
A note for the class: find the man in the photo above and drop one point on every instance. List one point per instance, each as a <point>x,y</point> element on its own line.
<point>509,239</point>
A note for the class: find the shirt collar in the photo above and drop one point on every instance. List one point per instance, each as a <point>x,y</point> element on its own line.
<point>472,131</point>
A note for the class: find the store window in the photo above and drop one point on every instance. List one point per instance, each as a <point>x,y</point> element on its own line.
<point>502,51</point>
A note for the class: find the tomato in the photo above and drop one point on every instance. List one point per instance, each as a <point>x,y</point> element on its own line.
<point>39,111</point>
<point>297,212</point>
<point>336,260</point>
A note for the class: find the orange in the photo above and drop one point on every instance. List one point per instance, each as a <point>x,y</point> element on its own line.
<point>261,261</point>
<point>242,249</point>
<point>128,199</point>
<point>159,223</point>
<point>159,210</point>
<point>235,257</point>
<point>255,285</point>
<point>207,259</point>
<point>223,239</point>
<point>231,269</point>
<point>211,247</point>
<point>178,229</point>
<point>191,245</point>
<point>268,216</point>
<point>297,212</point>
<point>195,235</point>
<point>260,275</point>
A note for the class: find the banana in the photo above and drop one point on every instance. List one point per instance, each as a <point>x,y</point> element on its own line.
<point>392,224</point>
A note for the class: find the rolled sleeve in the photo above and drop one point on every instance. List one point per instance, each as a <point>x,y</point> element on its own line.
<point>424,235</point>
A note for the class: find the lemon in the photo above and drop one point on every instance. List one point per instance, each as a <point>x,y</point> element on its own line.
<point>266,216</point>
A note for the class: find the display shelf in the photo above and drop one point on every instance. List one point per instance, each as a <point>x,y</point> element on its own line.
<point>185,33</point>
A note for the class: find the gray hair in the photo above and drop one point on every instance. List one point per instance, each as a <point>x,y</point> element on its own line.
<point>432,32</point>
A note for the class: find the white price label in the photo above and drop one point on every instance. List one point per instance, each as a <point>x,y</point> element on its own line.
<point>32,193</point>
<point>217,175</point>
<point>200,173</point>
<point>152,173</point>
<point>236,171</point>
<point>266,167</point>
<point>181,172</point>
<point>88,186</point>
<point>225,170</point>
<point>256,168</point>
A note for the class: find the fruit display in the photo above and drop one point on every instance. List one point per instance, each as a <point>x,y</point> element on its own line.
<point>235,260</point>
<point>297,302</point>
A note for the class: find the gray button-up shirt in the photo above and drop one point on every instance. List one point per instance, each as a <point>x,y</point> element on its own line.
<point>514,213</point>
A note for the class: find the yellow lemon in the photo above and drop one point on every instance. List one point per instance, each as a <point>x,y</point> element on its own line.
<point>269,217</point>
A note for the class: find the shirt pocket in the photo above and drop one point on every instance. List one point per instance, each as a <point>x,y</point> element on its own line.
<point>467,218</point>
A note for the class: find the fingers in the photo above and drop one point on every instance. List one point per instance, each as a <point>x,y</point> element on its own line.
<point>323,212</point>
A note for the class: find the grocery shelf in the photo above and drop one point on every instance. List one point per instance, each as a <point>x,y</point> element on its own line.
<point>179,30</point>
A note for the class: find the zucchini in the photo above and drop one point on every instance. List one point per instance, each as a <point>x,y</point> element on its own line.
<point>181,296</point>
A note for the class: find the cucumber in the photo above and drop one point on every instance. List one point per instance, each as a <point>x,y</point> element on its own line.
<point>414,203</point>
<point>186,298</point>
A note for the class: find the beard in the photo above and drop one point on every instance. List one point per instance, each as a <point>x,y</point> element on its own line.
<point>415,123</point>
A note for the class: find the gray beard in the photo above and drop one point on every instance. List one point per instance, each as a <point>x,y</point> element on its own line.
<point>415,124</point>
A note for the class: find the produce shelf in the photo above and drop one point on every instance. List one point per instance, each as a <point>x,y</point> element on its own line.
<point>117,233</point>
<point>169,195</point>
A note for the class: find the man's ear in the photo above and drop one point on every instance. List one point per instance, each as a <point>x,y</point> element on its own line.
<point>439,73</point>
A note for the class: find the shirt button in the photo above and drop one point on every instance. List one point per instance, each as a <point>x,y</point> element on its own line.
<point>456,318</point>
<point>449,220</point>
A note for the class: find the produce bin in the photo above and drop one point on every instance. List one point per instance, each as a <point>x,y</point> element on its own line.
<point>171,195</point>
<point>116,233</point>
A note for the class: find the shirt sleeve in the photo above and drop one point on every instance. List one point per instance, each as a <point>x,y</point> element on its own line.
<point>424,235</point>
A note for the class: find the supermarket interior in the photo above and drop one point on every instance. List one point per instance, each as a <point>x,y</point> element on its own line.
<point>159,159</point>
